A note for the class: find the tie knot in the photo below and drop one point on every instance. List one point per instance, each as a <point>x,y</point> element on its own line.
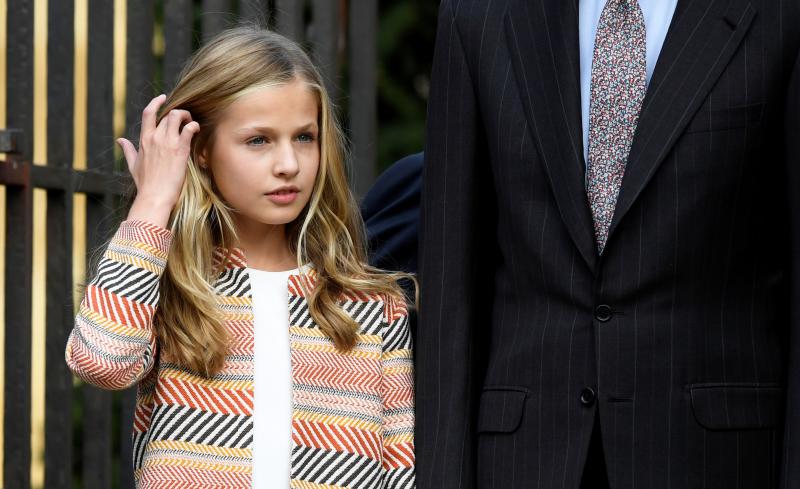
<point>623,11</point>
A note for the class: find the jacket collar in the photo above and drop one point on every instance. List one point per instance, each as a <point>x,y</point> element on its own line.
<point>543,39</point>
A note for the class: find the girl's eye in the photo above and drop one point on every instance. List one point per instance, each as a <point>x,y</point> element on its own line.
<point>306,137</point>
<point>257,141</point>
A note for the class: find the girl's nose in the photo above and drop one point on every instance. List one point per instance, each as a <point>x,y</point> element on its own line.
<point>286,164</point>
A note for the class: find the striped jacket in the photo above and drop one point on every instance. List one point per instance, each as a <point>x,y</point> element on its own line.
<point>352,416</point>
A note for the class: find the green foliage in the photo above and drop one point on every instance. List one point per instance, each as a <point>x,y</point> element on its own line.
<point>406,33</point>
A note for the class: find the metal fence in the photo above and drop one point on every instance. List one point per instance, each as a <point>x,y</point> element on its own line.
<point>93,449</point>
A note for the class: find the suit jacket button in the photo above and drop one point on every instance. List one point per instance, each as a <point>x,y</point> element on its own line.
<point>603,313</point>
<point>588,396</point>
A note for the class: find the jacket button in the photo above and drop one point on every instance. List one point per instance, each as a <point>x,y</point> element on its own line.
<point>588,396</point>
<point>603,313</point>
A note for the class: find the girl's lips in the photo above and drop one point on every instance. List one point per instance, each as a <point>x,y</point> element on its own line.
<point>283,196</point>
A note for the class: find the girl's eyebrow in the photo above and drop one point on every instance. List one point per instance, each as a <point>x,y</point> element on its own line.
<point>307,127</point>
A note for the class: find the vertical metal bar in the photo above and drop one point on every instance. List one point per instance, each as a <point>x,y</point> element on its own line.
<point>99,215</point>
<point>19,230</point>
<point>177,38</point>
<point>216,17</point>
<point>128,402</point>
<point>100,110</point>
<point>17,422</point>
<point>363,92</point>
<point>58,389</point>
<point>96,402</point>
<point>19,91</point>
<point>254,11</point>
<point>324,36</point>
<point>139,91</point>
<point>139,64</point>
<point>290,18</point>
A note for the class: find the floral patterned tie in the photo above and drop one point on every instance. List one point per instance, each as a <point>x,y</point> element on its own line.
<point>619,80</point>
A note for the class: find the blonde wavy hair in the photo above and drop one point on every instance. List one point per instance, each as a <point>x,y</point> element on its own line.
<point>328,234</point>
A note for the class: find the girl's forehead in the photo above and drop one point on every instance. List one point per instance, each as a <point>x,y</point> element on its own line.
<point>278,105</point>
<point>296,88</point>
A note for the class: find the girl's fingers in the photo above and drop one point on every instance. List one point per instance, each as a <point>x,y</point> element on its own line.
<point>149,115</point>
<point>129,150</point>
<point>175,119</point>
<point>188,131</point>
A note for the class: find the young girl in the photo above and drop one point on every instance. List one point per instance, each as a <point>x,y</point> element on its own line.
<point>237,297</point>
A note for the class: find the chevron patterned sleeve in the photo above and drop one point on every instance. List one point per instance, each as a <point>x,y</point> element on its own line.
<point>112,344</point>
<point>398,399</point>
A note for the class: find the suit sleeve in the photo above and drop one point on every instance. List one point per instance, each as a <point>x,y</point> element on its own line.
<point>397,393</point>
<point>112,344</point>
<point>790,470</point>
<point>456,226</point>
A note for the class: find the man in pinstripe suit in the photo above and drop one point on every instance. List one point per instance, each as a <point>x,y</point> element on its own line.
<point>608,246</point>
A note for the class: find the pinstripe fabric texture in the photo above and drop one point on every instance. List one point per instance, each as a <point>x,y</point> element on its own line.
<point>353,414</point>
<point>688,357</point>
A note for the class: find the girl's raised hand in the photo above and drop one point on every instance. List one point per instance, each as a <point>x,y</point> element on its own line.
<point>159,166</point>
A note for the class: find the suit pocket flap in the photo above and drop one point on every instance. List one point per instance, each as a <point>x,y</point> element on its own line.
<point>501,409</point>
<point>738,406</point>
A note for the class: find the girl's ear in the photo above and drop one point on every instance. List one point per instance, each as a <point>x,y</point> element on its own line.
<point>202,159</point>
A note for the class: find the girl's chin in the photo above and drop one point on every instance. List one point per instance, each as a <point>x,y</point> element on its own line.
<point>270,219</point>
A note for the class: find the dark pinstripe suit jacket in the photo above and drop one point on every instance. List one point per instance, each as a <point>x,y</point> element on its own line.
<point>689,359</point>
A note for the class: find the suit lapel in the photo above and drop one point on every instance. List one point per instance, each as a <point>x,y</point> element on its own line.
<point>543,40</point>
<point>703,37</point>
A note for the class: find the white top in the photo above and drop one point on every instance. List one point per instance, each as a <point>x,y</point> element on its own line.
<point>272,412</point>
